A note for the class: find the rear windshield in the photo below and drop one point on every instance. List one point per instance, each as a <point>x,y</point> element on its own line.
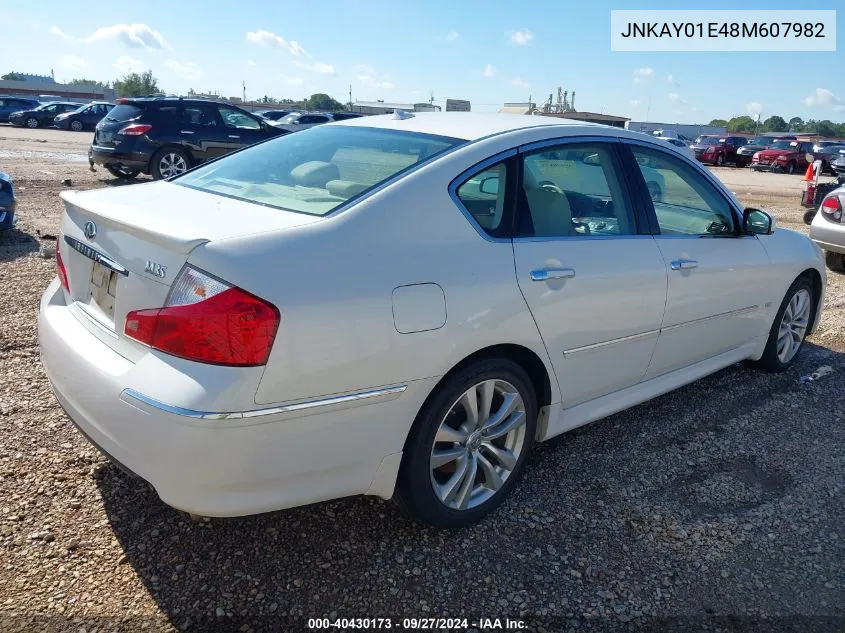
<point>124,112</point>
<point>784,145</point>
<point>707,140</point>
<point>316,170</point>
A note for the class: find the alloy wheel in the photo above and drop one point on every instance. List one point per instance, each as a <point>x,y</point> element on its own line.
<point>32,123</point>
<point>172,164</point>
<point>793,325</point>
<point>478,444</point>
<point>76,126</point>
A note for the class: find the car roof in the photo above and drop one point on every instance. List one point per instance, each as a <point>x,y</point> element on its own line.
<point>469,126</point>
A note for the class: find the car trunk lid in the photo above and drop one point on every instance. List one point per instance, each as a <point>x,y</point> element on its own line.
<point>124,247</point>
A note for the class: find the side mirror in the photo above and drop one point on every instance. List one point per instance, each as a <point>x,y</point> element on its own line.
<point>756,222</point>
<point>489,185</point>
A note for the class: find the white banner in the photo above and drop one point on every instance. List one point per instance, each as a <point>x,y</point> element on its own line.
<point>757,30</point>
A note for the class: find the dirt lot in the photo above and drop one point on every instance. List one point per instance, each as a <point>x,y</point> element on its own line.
<point>724,498</point>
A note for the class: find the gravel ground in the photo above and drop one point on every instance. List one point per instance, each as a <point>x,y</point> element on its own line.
<point>724,498</point>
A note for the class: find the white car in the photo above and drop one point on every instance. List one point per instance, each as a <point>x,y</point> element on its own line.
<point>296,121</point>
<point>679,146</point>
<point>404,305</point>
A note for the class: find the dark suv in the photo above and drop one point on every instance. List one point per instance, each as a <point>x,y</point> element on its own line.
<point>166,136</point>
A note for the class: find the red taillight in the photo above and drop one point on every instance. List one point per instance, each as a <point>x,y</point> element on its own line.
<point>121,100</point>
<point>61,270</point>
<point>208,321</point>
<point>832,207</point>
<point>136,129</point>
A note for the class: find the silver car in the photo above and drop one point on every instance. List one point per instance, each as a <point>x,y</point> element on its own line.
<point>828,229</point>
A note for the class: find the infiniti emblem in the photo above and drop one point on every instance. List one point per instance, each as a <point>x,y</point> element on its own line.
<point>90,230</point>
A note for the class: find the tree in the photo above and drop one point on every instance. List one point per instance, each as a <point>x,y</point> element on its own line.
<point>13,77</point>
<point>825,128</point>
<point>775,124</point>
<point>718,123</point>
<point>90,83</point>
<point>321,101</point>
<point>796,123</point>
<point>136,85</point>
<point>742,123</point>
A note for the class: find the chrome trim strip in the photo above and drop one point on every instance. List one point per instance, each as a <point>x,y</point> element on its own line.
<point>624,339</point>
<point>95,255</point>
<point>739,312</point>
<point>578,238</point>
<point>254,413</point>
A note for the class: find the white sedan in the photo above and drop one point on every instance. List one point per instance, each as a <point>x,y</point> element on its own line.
<point>403,306</point>
<point>679,146</point>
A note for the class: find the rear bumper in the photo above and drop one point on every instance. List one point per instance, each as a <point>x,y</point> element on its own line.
<point>829,236</point>
<point>138,161</point>
<point>289,455</point>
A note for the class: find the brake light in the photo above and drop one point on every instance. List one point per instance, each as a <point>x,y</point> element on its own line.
<point>832,207</point>
<point>208,321</point>
<point>121,101</point>
<point>136,129</point>
<point>60,269</point>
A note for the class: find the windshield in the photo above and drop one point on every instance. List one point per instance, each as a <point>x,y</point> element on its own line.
<point>761,140</point>
<point>316,170</point>
<point>783,145</point>
<point>291,118</point>
<point>707,140</point>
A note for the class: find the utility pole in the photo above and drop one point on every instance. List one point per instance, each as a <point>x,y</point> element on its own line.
<point>243,85</point>
<point>431,98</point>
<point>350,97</point>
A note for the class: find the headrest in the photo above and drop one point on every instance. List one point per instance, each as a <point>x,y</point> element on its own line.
<point>344,188</point>
<point>315,173</point>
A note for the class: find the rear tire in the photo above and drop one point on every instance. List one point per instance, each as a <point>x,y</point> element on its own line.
<point>834,261</point>
<point>489,448</point>
<point>789,329</point>
<point>169,162</point>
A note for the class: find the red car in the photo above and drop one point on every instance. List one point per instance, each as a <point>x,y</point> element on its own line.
<point>788,156</point>
<point>718,150</point>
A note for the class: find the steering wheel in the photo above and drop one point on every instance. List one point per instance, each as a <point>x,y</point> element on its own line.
<point>547,185</point>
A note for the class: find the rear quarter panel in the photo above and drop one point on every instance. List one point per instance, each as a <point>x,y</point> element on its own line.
<point>333,283</point>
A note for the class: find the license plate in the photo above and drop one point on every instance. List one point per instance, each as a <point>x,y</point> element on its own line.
<point>103,290</point>
<point>105,137</point>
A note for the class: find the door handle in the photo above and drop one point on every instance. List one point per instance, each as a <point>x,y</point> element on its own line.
<point>684,264</point>
<point>545,274</point>
<point>234,136</point>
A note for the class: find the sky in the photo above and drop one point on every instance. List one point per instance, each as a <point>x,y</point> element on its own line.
<point>402,51</point>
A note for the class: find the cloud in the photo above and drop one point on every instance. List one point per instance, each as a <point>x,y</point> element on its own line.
<point>488,71</point>
<point>451,36</point>
<point>520,37</point>
<point>822,97</point>
<point>674,97</point>
<point>754,108</point>
<point>55,30</point>
<point>189,70</point>
<point>671,80</point>
<point>520,83</point>
<point>371,77</point>
<point>268,37</point>
<point>72,62</point>
<point>642,75</point>
<point>249,62</point>
<point>126,64</point>
<point>635,103</point>
<point>321,68</point>
<point>132,35</point>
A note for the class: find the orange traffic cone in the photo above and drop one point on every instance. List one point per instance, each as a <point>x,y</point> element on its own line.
<point>810,176</point>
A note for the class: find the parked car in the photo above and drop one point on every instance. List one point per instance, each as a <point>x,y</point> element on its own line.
<point>84,117</point>
<point>828,229</point>
<point>679,145</point>
<point>273,115</point>
<point>789,156</point>
<point>718,150</point>
<point>745,153</point>
<point>827,154</point>
<point>298,121</point>
<point>345,116</point>
<point>404,304</point>
<point>9,104</point>
<point>837,165</point>
<point>8,219</point>
<point>42,115</point>
<point>166,136</point>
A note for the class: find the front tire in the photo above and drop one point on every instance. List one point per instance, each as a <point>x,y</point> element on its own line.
<point>76,126</point>
<point>793,320</point>
<point>169,162</point>
<point>720,160</point>
<point>32,123</point>
<point>469,443</point>
<point>790,167</point>
<point>834,261</point>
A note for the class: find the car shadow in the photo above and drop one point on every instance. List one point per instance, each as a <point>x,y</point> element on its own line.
<point>110,181</point>
<point>621,492</point>
<point>15,243</point>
